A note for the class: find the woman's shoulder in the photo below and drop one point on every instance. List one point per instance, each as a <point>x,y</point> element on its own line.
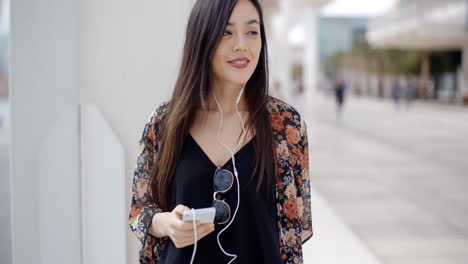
<point>283,112</point>
<point>158,113</point>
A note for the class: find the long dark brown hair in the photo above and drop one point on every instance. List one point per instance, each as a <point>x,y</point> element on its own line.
<point>205,28</point>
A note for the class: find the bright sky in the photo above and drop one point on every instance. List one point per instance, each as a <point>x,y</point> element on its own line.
<point>353,8</point>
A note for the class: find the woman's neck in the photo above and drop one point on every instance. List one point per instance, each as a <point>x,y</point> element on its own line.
<point>226,96</point>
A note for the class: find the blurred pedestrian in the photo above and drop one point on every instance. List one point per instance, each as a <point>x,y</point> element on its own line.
<point>339,96</point>
<point>410,89</point>
<point>396,92</point>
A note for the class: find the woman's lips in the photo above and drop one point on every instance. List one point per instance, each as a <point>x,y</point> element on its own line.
<point>239,64</point>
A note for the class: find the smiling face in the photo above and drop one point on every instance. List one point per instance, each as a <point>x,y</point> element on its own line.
<point>236,56</point>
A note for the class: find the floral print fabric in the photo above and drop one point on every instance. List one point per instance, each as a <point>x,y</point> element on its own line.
<point>292,184</point>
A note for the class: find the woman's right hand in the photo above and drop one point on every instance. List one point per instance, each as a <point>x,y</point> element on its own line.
<point>180,232</point>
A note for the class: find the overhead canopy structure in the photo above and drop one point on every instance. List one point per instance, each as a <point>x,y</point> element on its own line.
<point>426,25</point>
<point>422,24</point>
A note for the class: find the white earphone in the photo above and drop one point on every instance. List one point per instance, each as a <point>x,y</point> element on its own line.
<point>234,256</point>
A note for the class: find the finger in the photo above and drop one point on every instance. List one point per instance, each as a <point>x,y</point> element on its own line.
<point>181,244</point>
<point>189,240</point>
<point>189,234</point>
<point>203,235</point>
<point>185,244</point>
<point>205,228</point>
<point>187,228</point>
<point>206,231</point>
<point>182,239</point>
<point>178,223</point>
<point>186,238</point>
<point>180,209</point>
<point>187,225</point>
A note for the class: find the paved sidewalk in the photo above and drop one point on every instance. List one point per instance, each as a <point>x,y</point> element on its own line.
<point>333,242</point>
<point>398,179</point>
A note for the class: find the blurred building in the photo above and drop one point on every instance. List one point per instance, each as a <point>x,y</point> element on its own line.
<point>429,25</point>
<point>338,34</point>
<point>292,39</point>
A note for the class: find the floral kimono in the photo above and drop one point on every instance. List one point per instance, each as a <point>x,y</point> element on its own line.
<point>292,184</point>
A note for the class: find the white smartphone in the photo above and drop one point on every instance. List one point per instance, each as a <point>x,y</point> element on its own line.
<point>204,215</point>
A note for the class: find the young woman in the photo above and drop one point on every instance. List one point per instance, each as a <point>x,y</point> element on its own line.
<point>222,142</point>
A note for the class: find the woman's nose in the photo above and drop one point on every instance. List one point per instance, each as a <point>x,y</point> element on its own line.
<point>240,43</point>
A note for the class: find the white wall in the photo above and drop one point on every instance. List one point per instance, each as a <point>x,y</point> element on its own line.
<point>44,64</point>
<point>102,188</point>
<point>129,57</point>
<point>122,57</point>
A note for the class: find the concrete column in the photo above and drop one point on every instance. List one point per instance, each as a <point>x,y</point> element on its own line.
<point>120,57</point>
<point>464,83</point>
<point>310,52</point>
<point>280,55</point>
<point>130,54</point>
<point>425,75</point>
<point>45,189</point>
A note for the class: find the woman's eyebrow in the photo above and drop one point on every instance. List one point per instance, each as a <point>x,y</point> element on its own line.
<point>250,22</point>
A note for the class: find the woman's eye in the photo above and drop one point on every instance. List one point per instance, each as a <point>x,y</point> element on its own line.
<point>226,33</point>
<point>253,32</point>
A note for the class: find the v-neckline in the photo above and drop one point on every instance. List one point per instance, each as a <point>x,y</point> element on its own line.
<point>225,163</point>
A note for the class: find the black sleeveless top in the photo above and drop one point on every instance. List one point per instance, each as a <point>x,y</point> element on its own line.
<point>253,235</point>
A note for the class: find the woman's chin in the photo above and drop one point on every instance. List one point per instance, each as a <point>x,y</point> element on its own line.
<point>233,82</point>
<point>241,80</point>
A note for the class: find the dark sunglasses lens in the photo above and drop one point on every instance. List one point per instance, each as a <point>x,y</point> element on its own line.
<point>222,180</point>
<point>222,212</point>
